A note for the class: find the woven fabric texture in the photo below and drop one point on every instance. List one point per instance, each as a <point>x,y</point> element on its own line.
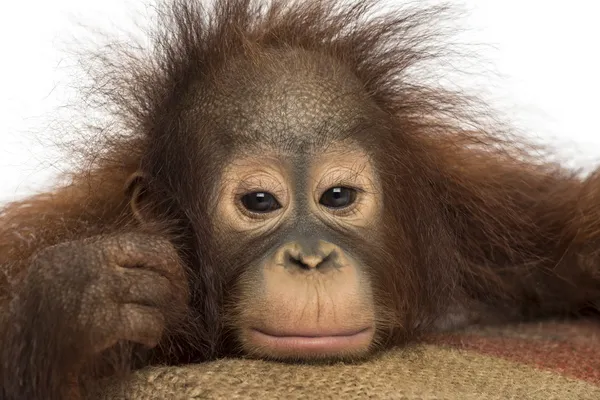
<point>535,361</point>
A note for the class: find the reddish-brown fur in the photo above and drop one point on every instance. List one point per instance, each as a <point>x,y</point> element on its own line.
<point>472,214</point>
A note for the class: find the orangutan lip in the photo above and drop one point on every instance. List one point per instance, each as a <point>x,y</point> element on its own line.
<point>312,343</point>
<point>308,334</point>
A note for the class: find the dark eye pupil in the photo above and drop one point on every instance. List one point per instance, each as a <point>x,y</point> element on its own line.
<point>338,197</point>
<point>260,202</point>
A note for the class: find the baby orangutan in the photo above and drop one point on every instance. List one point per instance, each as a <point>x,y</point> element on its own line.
<point>280,187</point>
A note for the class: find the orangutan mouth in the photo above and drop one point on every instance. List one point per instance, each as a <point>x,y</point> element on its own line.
<point>312,342</point>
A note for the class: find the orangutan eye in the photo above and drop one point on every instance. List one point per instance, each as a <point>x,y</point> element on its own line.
<point>338,197</point>
<point>260,202</point>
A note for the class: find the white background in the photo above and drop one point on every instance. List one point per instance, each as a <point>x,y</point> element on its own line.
<point>546,52</point>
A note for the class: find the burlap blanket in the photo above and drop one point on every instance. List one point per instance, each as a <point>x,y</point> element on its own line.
<point>536,361</point>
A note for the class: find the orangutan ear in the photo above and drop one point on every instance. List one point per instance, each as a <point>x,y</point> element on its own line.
<point>136,191</point>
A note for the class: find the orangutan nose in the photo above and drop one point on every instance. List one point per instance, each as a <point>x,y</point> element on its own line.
<point>308,257</point>
<point>308,261</point>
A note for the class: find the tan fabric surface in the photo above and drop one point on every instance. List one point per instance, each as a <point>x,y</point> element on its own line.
<point>424,372</point>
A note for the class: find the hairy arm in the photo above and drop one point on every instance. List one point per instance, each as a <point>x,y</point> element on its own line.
<point>80,290</point>
<point>529,236</point>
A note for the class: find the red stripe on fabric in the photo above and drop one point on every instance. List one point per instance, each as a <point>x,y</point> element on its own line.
<point>550,347</point>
